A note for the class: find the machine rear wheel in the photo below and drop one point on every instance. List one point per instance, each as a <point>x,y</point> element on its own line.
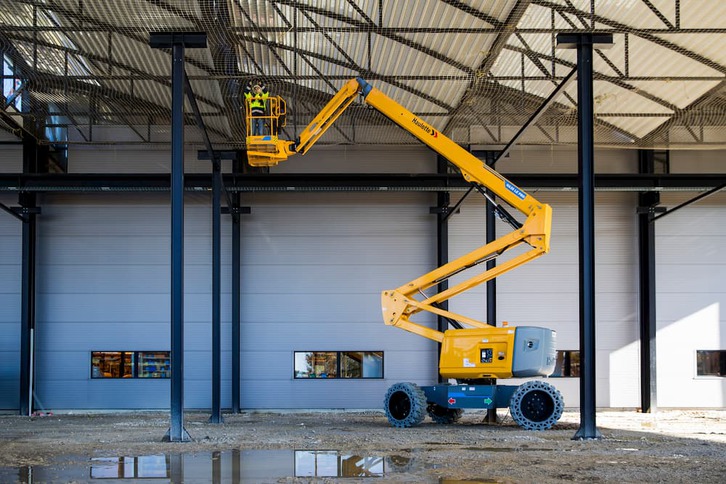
<point>405,405</point>
<point>536,405</point>
<point>443,415</point>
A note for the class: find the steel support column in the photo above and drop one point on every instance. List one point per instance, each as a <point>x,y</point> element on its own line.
<point>647,202</point>
<point>177,42</point>
<point>27,298</point>
<point>442,245</point>
<point>491,285</point>
<point>236,264</point>
<point>585,43</point>
<point>216,416</point>
<point>177,432</point>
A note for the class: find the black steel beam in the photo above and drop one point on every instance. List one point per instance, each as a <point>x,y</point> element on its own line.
<point>177,432</point>
<point>647,202</point>
<point>216,416</point>
<point>536,115</point>
<point>491,285</point>
<point>236,333</point>
<point>177,41</point>
<point>238,182</point>
<point>27,304</point>
<point>691,201</point>
<point>12,212</point>
<point>585,43</point>
<point>236,286</point>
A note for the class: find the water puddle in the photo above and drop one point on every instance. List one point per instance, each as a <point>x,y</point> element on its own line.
<point>233,466</point>
<point>508,449</point>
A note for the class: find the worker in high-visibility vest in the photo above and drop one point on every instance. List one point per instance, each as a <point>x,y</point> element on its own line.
<point>257,94</point>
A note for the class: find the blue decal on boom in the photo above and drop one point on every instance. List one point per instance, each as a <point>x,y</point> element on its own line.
<point>512,188</point>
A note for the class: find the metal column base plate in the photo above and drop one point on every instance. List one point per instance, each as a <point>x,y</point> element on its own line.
<point>184,438</point>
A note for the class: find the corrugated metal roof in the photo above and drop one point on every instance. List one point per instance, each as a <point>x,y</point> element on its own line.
<point>475,69</point>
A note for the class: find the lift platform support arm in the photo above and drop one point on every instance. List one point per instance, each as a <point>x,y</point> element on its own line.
<point>400,304</point>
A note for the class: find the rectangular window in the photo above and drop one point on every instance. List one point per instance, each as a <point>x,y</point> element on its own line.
<point>710,363</point>
<point>568,364</point>
<point>130,364</point>
<point>338,364</point>
<point>154,364</point>
<point>11,84</point>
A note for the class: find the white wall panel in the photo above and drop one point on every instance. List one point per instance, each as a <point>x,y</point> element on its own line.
<point>690,299</point>
<point>545,292</point>
<point>563,159</point>
<point>703,161</point>
<point>323,159</point>
<point>362,159</point>
<point>134,160</point>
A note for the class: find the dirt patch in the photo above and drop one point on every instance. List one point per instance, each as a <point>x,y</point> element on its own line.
<point>669,446</point>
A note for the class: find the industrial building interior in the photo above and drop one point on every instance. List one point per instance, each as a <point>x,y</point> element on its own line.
<point>476,70</point>
<point>79,75</point>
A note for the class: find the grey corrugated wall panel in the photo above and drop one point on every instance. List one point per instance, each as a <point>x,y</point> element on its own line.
<point>313,269</point>
<point>10,289</point>
<point>324,293</point>
<point>116,298</point>
<point>11,161</point>
<point>102,394</point>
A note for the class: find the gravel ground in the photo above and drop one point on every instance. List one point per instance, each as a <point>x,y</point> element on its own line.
<point>669,446</point>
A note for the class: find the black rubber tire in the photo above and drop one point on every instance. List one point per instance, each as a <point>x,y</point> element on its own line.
<point>536,405</point>
<point>443,415</point>
<point>405,405</point>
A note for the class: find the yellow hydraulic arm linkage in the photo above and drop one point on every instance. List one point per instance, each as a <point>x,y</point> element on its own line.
<point>400,304</point>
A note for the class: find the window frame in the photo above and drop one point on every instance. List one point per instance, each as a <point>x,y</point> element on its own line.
<point>338,365</point>
<point>11,83</point>
<point>136,360</point>
<point>567,364</point>
<point>721,364</point>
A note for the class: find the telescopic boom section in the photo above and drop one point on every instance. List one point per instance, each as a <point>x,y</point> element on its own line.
<point>400,304</point>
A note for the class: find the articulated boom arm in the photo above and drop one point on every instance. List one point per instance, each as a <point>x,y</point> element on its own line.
<point>399,305</point>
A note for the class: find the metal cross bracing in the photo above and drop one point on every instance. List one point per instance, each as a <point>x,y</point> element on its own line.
<point>476,70</point>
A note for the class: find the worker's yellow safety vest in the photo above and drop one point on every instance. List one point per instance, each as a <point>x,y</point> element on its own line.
<point>257,102</point>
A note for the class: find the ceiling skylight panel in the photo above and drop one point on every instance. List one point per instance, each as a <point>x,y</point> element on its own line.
<point>636,13</point>
<point>650,59</point>
<point>710,46</point>
<point>703,14</point>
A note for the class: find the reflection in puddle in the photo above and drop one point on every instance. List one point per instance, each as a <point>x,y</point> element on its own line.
<point>509,450</point>
<point>232,466</point>
<point>331,464</point>
<point>466,481</point>
<point>142,467</point>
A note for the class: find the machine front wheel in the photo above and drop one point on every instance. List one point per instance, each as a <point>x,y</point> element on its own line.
<point>405,405</point>
<point>536,405</point>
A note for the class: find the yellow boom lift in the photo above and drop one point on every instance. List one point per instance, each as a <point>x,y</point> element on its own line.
<point>473,352</point>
